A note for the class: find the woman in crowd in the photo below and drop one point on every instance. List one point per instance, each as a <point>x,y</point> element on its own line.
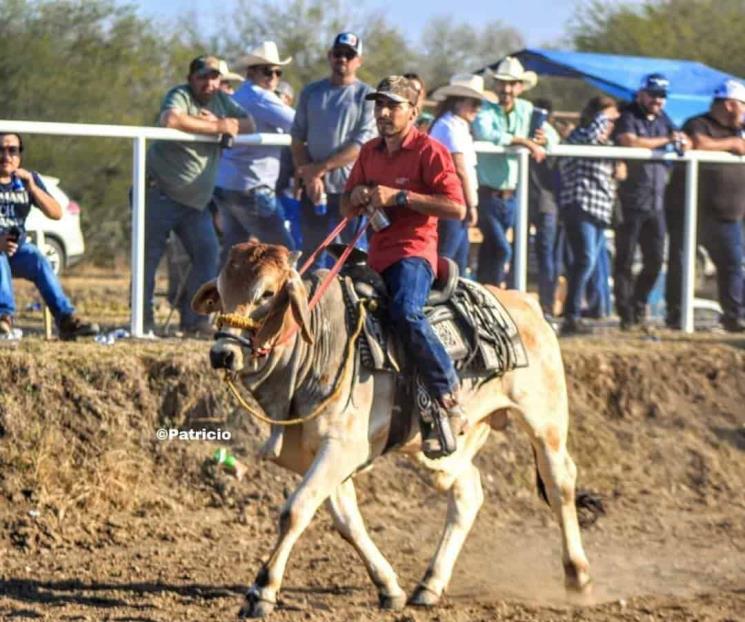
<point>458,105</point>
<point>587,198</point>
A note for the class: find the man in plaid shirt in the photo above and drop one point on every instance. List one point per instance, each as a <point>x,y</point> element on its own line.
<point>588,193</point>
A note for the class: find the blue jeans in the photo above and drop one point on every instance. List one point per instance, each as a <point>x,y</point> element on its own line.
<point>496,216</point>
<point>597,292</point>
<point>545,248</point>
<point>453,241</point>
<point>29,263</point>
<point>241,219</point>
<point>315,228</point>
<point>197,233</point>
<point>584,236</point>
<point>409,281</point>
<point>723,240</point>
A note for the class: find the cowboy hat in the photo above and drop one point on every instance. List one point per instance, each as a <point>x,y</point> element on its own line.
<point>264,54</point>
<point>228,76</point>
<point>464,85</point>
<point>511,70</point>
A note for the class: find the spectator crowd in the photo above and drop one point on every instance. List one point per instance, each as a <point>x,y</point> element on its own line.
<point>213,195</point>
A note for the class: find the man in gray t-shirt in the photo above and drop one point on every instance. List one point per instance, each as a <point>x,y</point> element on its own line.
<point>333,120</point>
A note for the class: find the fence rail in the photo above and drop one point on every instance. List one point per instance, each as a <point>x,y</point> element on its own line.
<point>140,136</point>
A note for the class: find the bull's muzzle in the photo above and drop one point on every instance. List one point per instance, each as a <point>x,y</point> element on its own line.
<point>223,358</point>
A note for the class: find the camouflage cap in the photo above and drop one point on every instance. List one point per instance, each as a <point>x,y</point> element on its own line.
<point>398,89</point>
<point>205,65</point>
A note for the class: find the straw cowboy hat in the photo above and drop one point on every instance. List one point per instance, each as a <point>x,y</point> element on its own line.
<point>511,70</point>
<point>464,85</point>
<point>264,54</point>
<point>227,75</point>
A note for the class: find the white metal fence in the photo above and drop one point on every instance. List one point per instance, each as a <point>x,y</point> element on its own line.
<point>139,136</point>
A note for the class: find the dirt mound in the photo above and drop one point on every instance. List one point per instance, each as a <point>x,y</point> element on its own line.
<point>658,433</point>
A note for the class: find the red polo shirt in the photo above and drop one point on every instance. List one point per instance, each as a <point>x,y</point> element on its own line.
<point>421,165</point>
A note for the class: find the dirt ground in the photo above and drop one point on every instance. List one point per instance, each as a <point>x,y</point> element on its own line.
<point>101,521</point>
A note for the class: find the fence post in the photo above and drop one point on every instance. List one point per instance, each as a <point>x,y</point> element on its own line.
<point>520,262</point>
<point>689,246</point>
<point>138,236</point>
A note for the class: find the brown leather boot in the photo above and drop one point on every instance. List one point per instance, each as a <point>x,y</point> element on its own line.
<point>456,415</point>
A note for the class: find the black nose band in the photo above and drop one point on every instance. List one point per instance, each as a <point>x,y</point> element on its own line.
<point>221,334</point>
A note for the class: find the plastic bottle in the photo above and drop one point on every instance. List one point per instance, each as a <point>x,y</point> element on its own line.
<point>223,457</point>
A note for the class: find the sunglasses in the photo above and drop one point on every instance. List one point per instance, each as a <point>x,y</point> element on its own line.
<point>270,72</point>
<point>11,151</point>
<point>348,54</point>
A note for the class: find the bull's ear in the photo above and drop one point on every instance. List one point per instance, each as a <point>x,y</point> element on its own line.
<point>207,299</point>
<point>299,305</point>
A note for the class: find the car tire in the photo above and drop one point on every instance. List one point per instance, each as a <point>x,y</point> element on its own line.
<point>55,254</point>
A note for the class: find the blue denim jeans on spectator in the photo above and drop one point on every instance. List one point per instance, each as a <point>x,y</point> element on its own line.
<point>496,216</point>
<point>584,235</point>
<point>597,290</point>
<point>29,263</point>
<point>241,219</point>
<point>545,249</point>
<point>197,233</point>
<point>409,282</point>
<point>315,228</point>
<point>723,240</point>
<point>453,242</point>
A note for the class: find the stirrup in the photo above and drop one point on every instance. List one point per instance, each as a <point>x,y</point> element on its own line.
<point>438,441</point>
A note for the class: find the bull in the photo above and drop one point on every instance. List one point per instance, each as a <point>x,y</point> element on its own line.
<point>299,363</point>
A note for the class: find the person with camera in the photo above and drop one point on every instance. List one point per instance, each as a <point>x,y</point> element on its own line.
<point>644,124</point>
<point>405,181</point>
<point>19,190</point>
<point>245,186</point>
<point>181,179</point>
<point>721,201</point>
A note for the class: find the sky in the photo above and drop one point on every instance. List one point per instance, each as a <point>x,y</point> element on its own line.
<point>538,21</point>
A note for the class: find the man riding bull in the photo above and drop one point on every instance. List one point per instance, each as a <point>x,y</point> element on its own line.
<point>411,178</point>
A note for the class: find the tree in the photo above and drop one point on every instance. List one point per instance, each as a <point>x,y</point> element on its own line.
<point>447,48</point>
<point>94,62</point>
<point>709,31</point>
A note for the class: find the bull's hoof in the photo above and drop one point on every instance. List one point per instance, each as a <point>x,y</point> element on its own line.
<point>255,606</point>
<point>577,579</point>
<point>424,597</point>
<point>392,603</point>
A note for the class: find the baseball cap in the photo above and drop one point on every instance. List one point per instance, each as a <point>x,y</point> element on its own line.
<point>397,89</point>
<point>203,65</point>
<point>655,84</point>
<point>730,89</point>
<point>349,40</point>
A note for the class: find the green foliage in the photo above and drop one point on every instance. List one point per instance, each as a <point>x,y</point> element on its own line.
<point>86,61</point>
<point>709,31</point>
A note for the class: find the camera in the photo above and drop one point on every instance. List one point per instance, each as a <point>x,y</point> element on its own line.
<point>13,233</point>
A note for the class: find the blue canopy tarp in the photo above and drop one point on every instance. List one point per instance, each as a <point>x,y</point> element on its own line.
<point>691,84</point>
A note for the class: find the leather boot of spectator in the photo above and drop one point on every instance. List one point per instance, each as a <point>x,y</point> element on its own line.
<point>71,327</point>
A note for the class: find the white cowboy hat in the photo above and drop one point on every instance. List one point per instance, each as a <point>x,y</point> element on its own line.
<point>511,70</point>
<point>464,85</point>
<point>228,76</point>
<point>264,54</point>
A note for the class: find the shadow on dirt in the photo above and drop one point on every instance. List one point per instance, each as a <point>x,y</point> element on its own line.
<point>73,591</point>
<point>734,436</point>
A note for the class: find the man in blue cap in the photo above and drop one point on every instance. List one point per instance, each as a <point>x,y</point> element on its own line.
<point>643,124</point>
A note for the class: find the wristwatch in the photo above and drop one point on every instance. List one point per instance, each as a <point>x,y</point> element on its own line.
<point>402,199</point>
